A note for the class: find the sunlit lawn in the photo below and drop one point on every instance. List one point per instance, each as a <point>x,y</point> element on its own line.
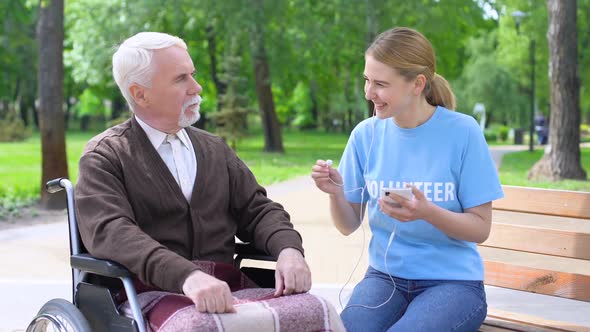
<point>20,163</point>
<point>302,149</point>
<point>515,166</point>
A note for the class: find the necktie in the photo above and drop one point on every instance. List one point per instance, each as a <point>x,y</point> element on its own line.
<point>182,177</point>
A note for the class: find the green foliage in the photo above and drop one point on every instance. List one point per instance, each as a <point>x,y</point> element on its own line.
<point>496,133</point>
<point>485,80</point>
<point>584,55</point>
<point>12,201</point>
<point>12,128</point>
<point>284,112</point>
<point>490,135</point>
<point>300,103</point>
<point>513,49</point>
<point>231,120</point>
<point>317,46</point>
<point>90,104</point>
<point>18,52</point>
<point>20,173</point>
<point>301,151</point>
<point>515,167</point>
<point>503,133</point>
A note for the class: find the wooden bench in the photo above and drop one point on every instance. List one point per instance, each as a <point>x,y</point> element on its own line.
<point>539,243</point>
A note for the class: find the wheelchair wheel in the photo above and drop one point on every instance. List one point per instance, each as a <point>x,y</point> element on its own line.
<point>59,315</point>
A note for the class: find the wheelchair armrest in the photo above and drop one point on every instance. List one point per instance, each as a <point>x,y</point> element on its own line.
<point>106,268</point>
<point>248,251</point>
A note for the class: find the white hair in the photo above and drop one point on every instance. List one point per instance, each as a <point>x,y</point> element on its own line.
<point>132,62</point>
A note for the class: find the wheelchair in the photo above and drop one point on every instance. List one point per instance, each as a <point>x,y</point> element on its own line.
<point>93,307</point>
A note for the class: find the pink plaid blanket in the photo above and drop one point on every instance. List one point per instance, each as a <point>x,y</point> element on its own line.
<point>257,309</point>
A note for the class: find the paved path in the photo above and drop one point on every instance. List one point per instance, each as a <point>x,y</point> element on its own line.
<point>498,152</point>
<point>35,268</point>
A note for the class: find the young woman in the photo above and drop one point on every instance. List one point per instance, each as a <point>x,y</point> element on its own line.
<point>425,272</point>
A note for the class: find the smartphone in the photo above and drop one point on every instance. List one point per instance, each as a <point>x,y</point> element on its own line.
<point>403,192</point>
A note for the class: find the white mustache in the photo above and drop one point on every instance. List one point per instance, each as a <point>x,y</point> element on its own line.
<point>192,101</point>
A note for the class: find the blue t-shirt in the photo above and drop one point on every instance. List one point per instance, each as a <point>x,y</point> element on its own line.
<point>447,158</point>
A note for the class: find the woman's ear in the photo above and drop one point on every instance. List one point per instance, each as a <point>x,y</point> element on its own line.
<point>419,84</point>
<point>138,94</point>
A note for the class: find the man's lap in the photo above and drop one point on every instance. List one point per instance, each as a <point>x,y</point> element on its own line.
<point>256,310</point>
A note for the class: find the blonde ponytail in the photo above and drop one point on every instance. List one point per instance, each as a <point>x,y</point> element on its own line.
<point>440,93</point>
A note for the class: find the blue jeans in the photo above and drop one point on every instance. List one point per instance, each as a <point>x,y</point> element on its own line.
<point>416,305</point>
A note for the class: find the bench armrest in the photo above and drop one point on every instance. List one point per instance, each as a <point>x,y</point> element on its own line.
<point>106,268</point>
<point>248,251</point>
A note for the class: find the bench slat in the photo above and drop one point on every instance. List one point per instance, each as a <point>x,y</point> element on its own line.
<point>537,261</point>
<point>539,240</point>
<point>511,321</point>
<point>552,226</point>
<point>562,284</point>
<point>553,202</point>
<point>493,327</point>
<point>542,221</point>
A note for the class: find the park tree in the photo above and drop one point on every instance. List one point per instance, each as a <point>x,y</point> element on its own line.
<point>231,120</point>
<point>584,57</point>
<point>50,37</point>
<point>497,89</point>
<point>317,45</point>
<point>273,141</point>
<point>562,158</point>
<point>17,61</point>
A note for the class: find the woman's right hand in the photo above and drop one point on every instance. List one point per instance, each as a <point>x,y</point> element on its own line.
<point>326,178</point>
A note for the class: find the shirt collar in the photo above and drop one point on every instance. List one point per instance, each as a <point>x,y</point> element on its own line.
<point>158,137</point>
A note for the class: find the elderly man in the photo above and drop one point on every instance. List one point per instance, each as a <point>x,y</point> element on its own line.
<point>156,194</point>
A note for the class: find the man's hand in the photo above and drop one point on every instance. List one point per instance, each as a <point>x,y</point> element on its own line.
<point>292,273</point>
<point>208,293</point>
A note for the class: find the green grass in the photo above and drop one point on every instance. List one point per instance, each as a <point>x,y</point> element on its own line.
<point>515,167</point>
<point>20,169</point>
<point>498,143</point>
<point>20,163</point>
<point>302,149</point>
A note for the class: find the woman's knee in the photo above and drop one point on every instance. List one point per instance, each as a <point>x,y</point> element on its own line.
<point>450,306</point>
<point>375,304</point>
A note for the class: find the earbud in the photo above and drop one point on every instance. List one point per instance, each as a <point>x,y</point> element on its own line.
<point>329,162</point>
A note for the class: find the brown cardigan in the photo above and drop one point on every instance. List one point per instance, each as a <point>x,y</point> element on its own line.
<point>131,210</point>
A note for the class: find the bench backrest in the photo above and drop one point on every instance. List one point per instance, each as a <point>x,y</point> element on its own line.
<point>525,222</point>
<point>564,203</point>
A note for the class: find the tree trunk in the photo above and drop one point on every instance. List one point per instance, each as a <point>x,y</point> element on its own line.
<point>36,116</point>
<point>84,122</point>
<point>50,36</point>
<point>19,100</point>
<point>273,141</point>
<point>212,50</point>
<point>372,23</point>
<point>118,107</point>
<point>314,102</point>
<point>24,114</point>
<point>562,161</point>
<point>67,114</point>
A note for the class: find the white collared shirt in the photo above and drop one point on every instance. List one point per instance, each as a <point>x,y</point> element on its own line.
<point>164,149</point>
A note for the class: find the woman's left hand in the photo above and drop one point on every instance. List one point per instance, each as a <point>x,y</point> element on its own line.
<point>411,209</point>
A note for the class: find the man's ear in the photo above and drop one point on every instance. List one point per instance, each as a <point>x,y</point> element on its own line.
<point>138,93</point>
<point>419,84</point>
